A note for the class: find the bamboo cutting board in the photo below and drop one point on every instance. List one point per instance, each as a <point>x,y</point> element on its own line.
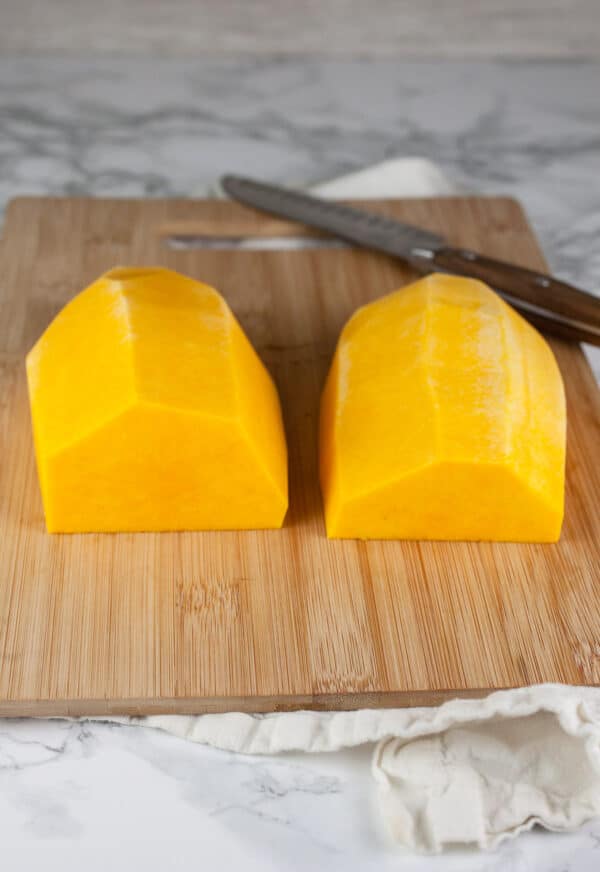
<point>262,621</point>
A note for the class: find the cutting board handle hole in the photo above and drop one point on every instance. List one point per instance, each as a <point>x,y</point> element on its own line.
<point>193,241</point>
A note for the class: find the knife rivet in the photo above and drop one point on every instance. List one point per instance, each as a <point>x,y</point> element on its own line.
<point>543,281</point>
<point>469,255</point>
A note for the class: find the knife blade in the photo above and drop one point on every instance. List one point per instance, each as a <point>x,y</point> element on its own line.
<point>548,302</point>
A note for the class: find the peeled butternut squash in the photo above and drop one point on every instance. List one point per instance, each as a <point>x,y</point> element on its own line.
<point>152,411</point>
<point>443,417</point>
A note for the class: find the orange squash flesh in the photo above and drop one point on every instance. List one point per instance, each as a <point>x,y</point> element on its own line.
<point>443,417</point>
<point>152,411</point>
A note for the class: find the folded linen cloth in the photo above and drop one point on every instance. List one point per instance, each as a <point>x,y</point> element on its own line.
<point>469,771</point>
<point>466,772</point>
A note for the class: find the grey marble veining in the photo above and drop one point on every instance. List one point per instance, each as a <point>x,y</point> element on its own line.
<point>98,796</point>
<point>106,796</point>
<point>170,128</point>
<point>160,128</point>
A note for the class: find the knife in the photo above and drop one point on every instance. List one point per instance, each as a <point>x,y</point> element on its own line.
<point>547,302</point>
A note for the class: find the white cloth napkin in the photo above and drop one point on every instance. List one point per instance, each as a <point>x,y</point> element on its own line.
<point>469,771</point>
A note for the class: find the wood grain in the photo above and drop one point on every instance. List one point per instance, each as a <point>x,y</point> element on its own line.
<point>260,621</point>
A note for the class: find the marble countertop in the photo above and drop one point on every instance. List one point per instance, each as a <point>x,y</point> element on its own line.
<point>93,796</point>
<point>400,28</point>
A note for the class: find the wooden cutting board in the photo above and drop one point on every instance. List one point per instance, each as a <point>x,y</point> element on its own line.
<point>262,621</point>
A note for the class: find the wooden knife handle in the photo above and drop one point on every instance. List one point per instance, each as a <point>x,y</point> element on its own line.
<point>560,329</point>
<point>530,287</point>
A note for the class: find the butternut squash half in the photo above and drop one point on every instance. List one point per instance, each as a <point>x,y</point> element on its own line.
<point>152,411</point>
<point>443,417</point>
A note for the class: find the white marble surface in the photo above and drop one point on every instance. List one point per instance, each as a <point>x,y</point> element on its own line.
<point>96,796</point>
<point>397,28</point>
<point>100,796</point>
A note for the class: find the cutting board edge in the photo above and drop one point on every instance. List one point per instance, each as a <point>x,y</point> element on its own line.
<point>510,218</point>
<point>141,707</point>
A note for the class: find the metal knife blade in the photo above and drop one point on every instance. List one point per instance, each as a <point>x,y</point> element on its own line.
<point>548,302</point>
<point>364,228</point>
